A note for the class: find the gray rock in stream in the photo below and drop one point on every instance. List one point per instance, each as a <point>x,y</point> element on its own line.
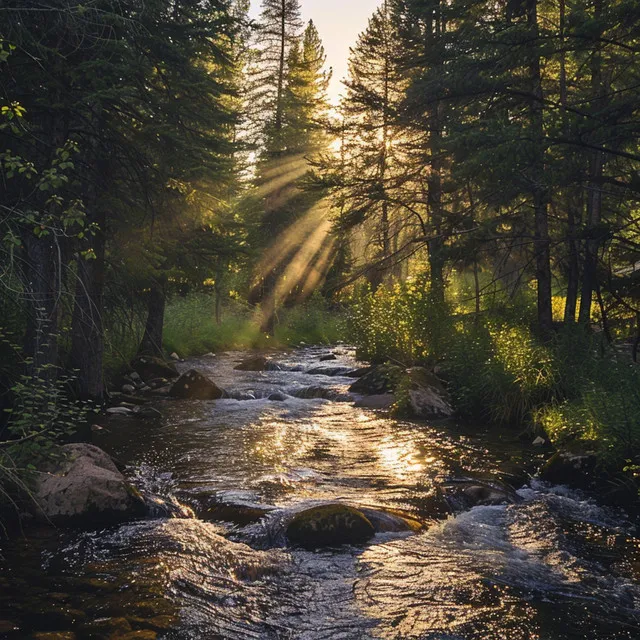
<point>194,385</point>
<point>85,488</point>
<point>309,393</point>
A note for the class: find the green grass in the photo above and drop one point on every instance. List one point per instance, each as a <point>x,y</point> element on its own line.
<point>191,327</point>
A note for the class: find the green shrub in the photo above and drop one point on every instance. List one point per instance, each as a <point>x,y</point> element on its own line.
<point>400,323</point>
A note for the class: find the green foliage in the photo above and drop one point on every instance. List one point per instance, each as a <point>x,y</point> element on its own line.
<point>574,386</point>
<point>499,371</point>
<point>191,327</point>
<point>400,323</point>
<point>313,322</point>
<point>41,415</point>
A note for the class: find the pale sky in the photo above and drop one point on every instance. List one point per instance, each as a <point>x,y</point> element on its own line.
<point>339,23</point>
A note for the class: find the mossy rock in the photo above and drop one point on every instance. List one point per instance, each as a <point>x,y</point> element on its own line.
<point>329,525</point>
<point>380,379</point>
<point>391,520</point>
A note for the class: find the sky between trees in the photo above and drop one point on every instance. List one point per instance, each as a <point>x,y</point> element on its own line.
<point>339,22</point>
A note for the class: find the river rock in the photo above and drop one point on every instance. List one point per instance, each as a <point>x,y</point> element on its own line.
<point>382,401</point>
<point>463,494</point>
<point>328,357</point>
<point>427,396</point>
<point>329,525</point>
<point>210,508</point>
<point>357,373</point>
<point>277,397</point>
<point>149,367</point>
<point>575,469</point>
<point>328,371</point>
<point>146,412</point>
<point>390,521</point>
<point>85,487</point>
<point>310,393</point>
<point>128,388</point>
<point>119,411</point>
<point>257,363</point>
<point>380,379</point>
<point>193,385</point>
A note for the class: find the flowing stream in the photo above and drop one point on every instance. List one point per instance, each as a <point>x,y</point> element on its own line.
<point>555,565</point>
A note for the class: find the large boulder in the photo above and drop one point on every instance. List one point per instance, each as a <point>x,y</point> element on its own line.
<point>329,525</point>
<point>86,488</point>
<point>380,379</point>
<point>149,367</point>
<point>193,385</point>
<point>427,397</point>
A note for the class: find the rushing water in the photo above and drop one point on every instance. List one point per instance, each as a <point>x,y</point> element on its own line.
<point>553,566</point>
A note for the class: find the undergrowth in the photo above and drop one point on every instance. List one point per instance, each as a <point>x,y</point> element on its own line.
<point>191,327</point>
<point>574,386</point>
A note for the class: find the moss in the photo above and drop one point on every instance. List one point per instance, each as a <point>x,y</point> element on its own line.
<point>329,525</point>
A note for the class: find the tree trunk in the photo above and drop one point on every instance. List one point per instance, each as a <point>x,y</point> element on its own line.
<point>594,188</point>
<point>42,283</point>
<point>542,245</point>
<point>572,206</point>
<point>281,68</point>
<point>151,344</point>
<point>434,182</point>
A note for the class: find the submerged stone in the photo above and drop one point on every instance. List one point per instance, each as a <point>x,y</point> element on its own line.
<point>257,363</point>
<point>573,469</point>
<point>329,525</point>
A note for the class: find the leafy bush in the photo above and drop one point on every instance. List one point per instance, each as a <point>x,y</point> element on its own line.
<point>574,385</point>
<point>41,415</point>
<point>400,323</point>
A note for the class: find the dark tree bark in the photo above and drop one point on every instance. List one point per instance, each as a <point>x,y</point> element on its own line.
<point>594,188</point>
<point>151,344</point>
<point>539,192</point>
<point>42,283</point>
<point>434,178</point>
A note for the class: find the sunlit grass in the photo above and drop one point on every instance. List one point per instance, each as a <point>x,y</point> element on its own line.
<point>191,328</point>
